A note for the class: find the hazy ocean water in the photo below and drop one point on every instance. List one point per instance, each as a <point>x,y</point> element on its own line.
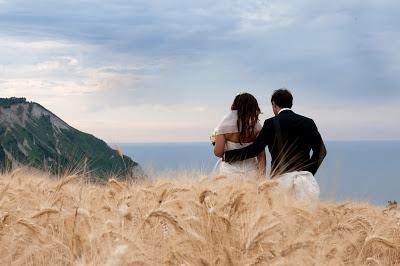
<point>361,170</point>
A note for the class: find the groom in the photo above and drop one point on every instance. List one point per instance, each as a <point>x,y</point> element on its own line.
<point>290,138</point>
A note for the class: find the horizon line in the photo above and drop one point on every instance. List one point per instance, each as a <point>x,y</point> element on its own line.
<point>200,142</point>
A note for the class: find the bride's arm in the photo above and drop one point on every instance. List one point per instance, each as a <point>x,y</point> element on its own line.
<point>262,163</point>
<point>219,147</point>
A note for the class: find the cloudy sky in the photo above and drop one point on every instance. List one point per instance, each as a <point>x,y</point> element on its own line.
<point>147,70</point>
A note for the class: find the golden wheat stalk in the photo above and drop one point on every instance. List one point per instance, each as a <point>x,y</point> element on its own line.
<point>167,216</point>
<point>65,181</point>
<point>45,211</point>
<point>251,243</point>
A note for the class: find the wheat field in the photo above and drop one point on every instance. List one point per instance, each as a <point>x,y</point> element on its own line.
<point>207,221</point>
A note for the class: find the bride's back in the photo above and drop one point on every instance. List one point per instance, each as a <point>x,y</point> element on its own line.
<point>235,137</point>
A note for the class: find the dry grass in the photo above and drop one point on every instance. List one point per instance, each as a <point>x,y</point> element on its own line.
<point>212,221</point>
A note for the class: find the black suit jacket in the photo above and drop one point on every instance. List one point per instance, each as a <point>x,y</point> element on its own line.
<point>290,139</point>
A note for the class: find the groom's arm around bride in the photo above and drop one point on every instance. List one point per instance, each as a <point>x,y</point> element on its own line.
<point>290,138</point>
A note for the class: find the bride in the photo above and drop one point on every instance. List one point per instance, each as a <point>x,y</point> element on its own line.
<point>238,129</point>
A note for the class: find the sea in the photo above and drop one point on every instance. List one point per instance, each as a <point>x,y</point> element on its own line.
<point>367,171</point>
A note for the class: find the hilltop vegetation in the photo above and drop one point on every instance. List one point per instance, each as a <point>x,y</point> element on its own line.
<point>7,102</point>
<point>212,221</point>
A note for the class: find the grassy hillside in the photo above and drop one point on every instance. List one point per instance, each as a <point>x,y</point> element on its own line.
<point>212,221</point>
<point>32,135</point>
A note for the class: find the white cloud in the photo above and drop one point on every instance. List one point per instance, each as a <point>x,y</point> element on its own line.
<point>25,43</point>
<point>262,16</point>
<point>55,64</point>
<point>89,82</point>
<point>57,68</point>
<point>32,88</point>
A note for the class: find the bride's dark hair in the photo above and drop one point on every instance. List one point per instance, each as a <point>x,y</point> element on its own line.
<point>248,111</point>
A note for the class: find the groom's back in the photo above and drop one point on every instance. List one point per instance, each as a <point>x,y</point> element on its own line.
<point>292,137</point>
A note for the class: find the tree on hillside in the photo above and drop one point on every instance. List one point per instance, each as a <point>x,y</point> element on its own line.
<point>7,102</point>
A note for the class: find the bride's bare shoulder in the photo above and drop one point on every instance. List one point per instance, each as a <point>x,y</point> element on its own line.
<point>232,137</point>
<point>235,137</point>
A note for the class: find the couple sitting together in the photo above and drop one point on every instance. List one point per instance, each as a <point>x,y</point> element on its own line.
<point>240,141</point>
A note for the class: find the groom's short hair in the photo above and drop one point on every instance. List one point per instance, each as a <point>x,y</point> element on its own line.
<point>283,98</point>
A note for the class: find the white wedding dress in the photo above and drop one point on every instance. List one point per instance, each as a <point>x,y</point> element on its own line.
<point>240,169</point>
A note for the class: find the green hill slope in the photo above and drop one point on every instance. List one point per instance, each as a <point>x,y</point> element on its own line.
<point>32,135</point>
